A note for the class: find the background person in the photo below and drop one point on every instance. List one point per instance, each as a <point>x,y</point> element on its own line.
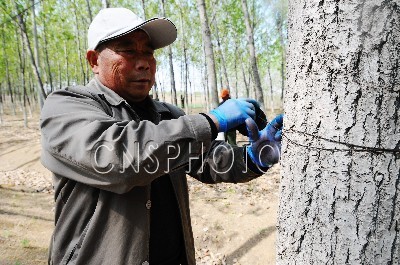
<point>230,135</point>
<point>119,159</point>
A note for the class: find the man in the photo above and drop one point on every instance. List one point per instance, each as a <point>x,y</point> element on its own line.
<point>119,159</point>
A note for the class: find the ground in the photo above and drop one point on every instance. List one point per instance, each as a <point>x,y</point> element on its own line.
<point>232,224</point>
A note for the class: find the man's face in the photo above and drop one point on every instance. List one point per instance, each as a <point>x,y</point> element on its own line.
<point>127,65</point>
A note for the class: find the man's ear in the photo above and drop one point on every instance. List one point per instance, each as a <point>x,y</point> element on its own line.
<point>92,56</point>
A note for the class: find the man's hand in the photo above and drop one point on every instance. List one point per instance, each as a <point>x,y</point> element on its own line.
<point>265,145</point>
<point>233,113</point>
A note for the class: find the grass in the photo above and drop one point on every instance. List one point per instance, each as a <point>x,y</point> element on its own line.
<point>25,243</point>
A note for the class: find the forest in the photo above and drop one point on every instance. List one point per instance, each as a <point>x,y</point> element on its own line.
<point>234,44</point>
<point>331,66</point>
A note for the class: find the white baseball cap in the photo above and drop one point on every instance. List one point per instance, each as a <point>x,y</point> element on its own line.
<point>111,23</point>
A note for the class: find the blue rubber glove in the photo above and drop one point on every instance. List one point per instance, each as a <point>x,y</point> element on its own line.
<point>234,112</point>
<point>265,145</point>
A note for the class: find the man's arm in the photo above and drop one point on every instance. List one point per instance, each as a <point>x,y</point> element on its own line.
<point>224,163</point>
<point>81,141</point>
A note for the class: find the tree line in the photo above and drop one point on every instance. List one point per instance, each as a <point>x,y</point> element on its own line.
<point>234,44</point>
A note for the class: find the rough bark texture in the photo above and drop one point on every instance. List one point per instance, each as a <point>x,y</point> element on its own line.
<point>341,207</point>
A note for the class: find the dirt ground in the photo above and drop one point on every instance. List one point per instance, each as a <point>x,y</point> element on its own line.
<point>232,224</point>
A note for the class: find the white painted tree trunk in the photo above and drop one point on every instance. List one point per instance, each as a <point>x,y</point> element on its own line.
<point>341,207</point>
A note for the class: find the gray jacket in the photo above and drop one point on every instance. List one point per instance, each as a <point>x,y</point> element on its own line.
<point>103,160</point>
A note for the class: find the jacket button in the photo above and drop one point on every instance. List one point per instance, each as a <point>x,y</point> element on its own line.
<point>148,206</point>
<point>145,263</point>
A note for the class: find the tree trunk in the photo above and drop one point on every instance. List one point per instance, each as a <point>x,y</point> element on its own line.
<point>66,63</point>
<point>185,61</point>
<point>59,74</point>
<point>220,75</point>
<point>78,45</point>
<point>21,73</point>
<point>209,51</point>
<point>89,10</point>
<point>34,62</point>
<point>144,9</point>
<point>223,64</point>
<point>24,95</point>
<point>171,65</point>
<point>46,53</point>
<point>252,84</point>
<point>192,92</point>
<point>271,88</point>
<point>186,79</point>
<point>204,82</point>
<point>35,59</point>
<point>253,58</point>
<point>8,73</point>
<point>155,92</point>
<point>32,91</point>
<point>236,73</point>
<point>105,3</point>
<point>246,84</point>
<point>279,24</point>
<point>340,201</point>
<point>35,36</point>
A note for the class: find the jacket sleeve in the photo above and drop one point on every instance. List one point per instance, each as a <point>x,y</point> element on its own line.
<point>83,141</point>
<point>223,163</point>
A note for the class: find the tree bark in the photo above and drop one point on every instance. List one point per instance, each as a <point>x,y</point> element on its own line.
<point>32,91</point>
<point>246,84</point>
<point>155,92</point>
<point>66,63</point>
<point>171,65</point>
<point>105,3</point>
<point>223,63</point>
<point>144,9</point>
<point>185,62</point>
<point>8,73</point>
<point>270,87</point>
<point>46,53</point>
<point>21,55</point>
<point>204,81</point>
<point>35,36</point>
<point>340,201</point>
<point>78,44</point>
<point>35,59</point>
<point>34,62</point>
<point>279,24</point>
<point>236,73</point>
<point>89,10</point>
<point>209,51</point>
<point>253,58</point>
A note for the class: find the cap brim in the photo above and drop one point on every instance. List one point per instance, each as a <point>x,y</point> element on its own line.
<point>161,31</point>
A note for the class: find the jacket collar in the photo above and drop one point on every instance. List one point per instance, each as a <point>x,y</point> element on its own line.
<point>114,99</point>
